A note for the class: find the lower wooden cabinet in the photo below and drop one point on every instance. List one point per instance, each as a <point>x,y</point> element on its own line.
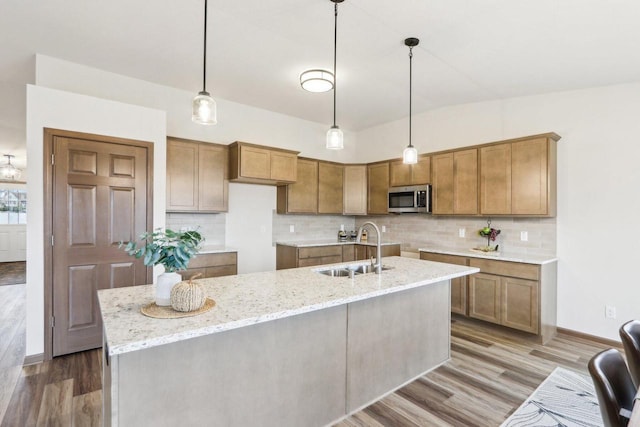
<point>458,285</point>
<point>212,265</point>
<point>513,294</point>
<point>307,256</point>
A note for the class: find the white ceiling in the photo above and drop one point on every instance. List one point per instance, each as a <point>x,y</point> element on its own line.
<point>469,50</point>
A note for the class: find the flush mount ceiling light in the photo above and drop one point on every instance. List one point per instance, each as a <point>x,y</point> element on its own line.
<point>410,154</point>
<point>8,171</point>
<point>316,80</point>
<point>335,137</point>
<point>204,106</point>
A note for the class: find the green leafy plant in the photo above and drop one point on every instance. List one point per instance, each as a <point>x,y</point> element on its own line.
<point>173,249</point>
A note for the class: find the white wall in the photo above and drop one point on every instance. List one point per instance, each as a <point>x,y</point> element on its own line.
<point>48,108</point>
<point>598,179</point>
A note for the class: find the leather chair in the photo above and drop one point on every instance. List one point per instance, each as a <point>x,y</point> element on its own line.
<point>630,336</point>
<point>614,386</point>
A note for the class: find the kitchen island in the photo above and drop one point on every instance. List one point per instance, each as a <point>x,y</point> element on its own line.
<point>287,348</point>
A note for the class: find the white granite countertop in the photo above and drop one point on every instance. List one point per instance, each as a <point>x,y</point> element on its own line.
<point>247,299</point>
<point>215,249</point>
<point>330,242</point>
<point>503,256</point>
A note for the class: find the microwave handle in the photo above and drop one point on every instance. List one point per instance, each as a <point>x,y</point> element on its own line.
<point>415,199</point>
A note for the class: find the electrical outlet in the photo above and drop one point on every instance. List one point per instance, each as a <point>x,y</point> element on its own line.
<point>292,229</point>
<point>341,227</point>
<point>610,312</point>
<point>384,228</point>
<point>461,232</point>
<point>524,236</point>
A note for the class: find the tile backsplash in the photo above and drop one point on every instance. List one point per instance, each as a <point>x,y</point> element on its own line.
<point>309,227</point>
<point>211,226</point>
<point>417,230</point>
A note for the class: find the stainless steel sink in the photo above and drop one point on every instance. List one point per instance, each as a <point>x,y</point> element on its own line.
<point>350,270</point>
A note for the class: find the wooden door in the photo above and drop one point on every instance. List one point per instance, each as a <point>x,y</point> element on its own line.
<point>495,179</point>
<point>255,162</point>
<point>378,181</point>
<point>330,188</point>
<point>301,196</point>
<point>399,174</point>
<point>421,171</point>
<point>530,177</point>
<point>182,176</point>
<point>520,304</point>
<point>283,166</point>
<point>484,297</point>
<point>213,178</point>
<point>443,184</point>
<point>355,190</point>
<point>465,182</point>
<point>99,198</point>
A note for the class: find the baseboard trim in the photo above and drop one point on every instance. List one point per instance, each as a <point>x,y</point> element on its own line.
<point>32,359</point>
<point>605,341</point>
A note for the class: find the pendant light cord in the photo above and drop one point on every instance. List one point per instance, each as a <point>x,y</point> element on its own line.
<point>204,65</point>
<point>410,89</point>
<point>335,48</point>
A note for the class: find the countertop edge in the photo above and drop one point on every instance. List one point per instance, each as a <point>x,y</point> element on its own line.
<point>508,258</point>
<point>306,244</point>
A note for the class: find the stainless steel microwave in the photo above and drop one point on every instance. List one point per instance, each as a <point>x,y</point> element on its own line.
<point>413,198</point>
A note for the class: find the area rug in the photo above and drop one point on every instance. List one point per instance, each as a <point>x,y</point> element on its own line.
<point>13,273</point>
<point>564,399</point>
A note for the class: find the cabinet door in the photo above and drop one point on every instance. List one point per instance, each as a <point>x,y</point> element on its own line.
<point>255,162</point>
<point>302,196</point>
<point>387,250</point>
<point>283,166</point>
<point>182,176</point>
<point>378,181</point>
<point>348,253</point>
<point>361,252</point>
<point>330,188</point>
<point>458,285</point>
<point>484,297</point>
<point>399,174</point>
<point>465,182</point>
<point>530,195</point>
<point>213,180</point>
<point>495,179</point>
<point>520,304</point>
<point>355,190</point>
<point>421,171</point>
<point>442,184</point>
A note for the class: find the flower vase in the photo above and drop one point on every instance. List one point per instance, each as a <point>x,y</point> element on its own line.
<point>166,281</point>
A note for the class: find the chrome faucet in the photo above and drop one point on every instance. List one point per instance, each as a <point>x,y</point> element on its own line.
<point>378,264</point>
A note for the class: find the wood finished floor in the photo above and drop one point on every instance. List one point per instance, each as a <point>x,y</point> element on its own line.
<point>491,372</point>
<point>13,273</point>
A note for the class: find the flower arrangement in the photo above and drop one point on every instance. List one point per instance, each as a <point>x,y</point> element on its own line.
<point>172,249</point>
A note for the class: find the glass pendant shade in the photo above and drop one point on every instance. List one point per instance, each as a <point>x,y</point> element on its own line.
<point>410,156</point>
<point>316,80</point>
<point>335,138</point>
<point>204,109</point>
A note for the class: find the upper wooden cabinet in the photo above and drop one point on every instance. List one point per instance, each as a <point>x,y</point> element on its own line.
<point>378,187</point>
<point>197,177</point>
<point>455,182</point>
<point>301,196</point>
<point>417,174</point>
<point>518,177</point>
<point>330,188</point>
<point>355,190</point>
<point>256,164</point>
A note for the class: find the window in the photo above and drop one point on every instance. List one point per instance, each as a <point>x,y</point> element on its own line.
<point>13,207</point>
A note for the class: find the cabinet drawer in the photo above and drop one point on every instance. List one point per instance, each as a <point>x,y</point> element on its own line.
<point>506,268</point>
<point>320,251</point>
<point>308,262</point>
<point>212,260</point>
<point>448,259</point>
<point>221,270</point>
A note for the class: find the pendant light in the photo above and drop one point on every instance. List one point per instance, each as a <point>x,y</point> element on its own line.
<point>410,154</point>
<point>335,138</point>
<point>8,171</point>
<point>204,106</point>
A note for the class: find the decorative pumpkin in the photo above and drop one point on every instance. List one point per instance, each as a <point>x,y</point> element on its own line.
<point>188,296</point>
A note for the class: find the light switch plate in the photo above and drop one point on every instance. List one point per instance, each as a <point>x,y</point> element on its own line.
<point>292,229</point>
<point>461,232</point>
<point>384,229</point>
<point>524,236</point>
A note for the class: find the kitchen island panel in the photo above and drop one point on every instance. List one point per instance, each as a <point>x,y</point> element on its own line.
<point>242,377</point>
<point>394,339</point>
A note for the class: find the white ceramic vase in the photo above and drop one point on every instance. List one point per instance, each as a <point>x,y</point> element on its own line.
<point>166,281</point>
